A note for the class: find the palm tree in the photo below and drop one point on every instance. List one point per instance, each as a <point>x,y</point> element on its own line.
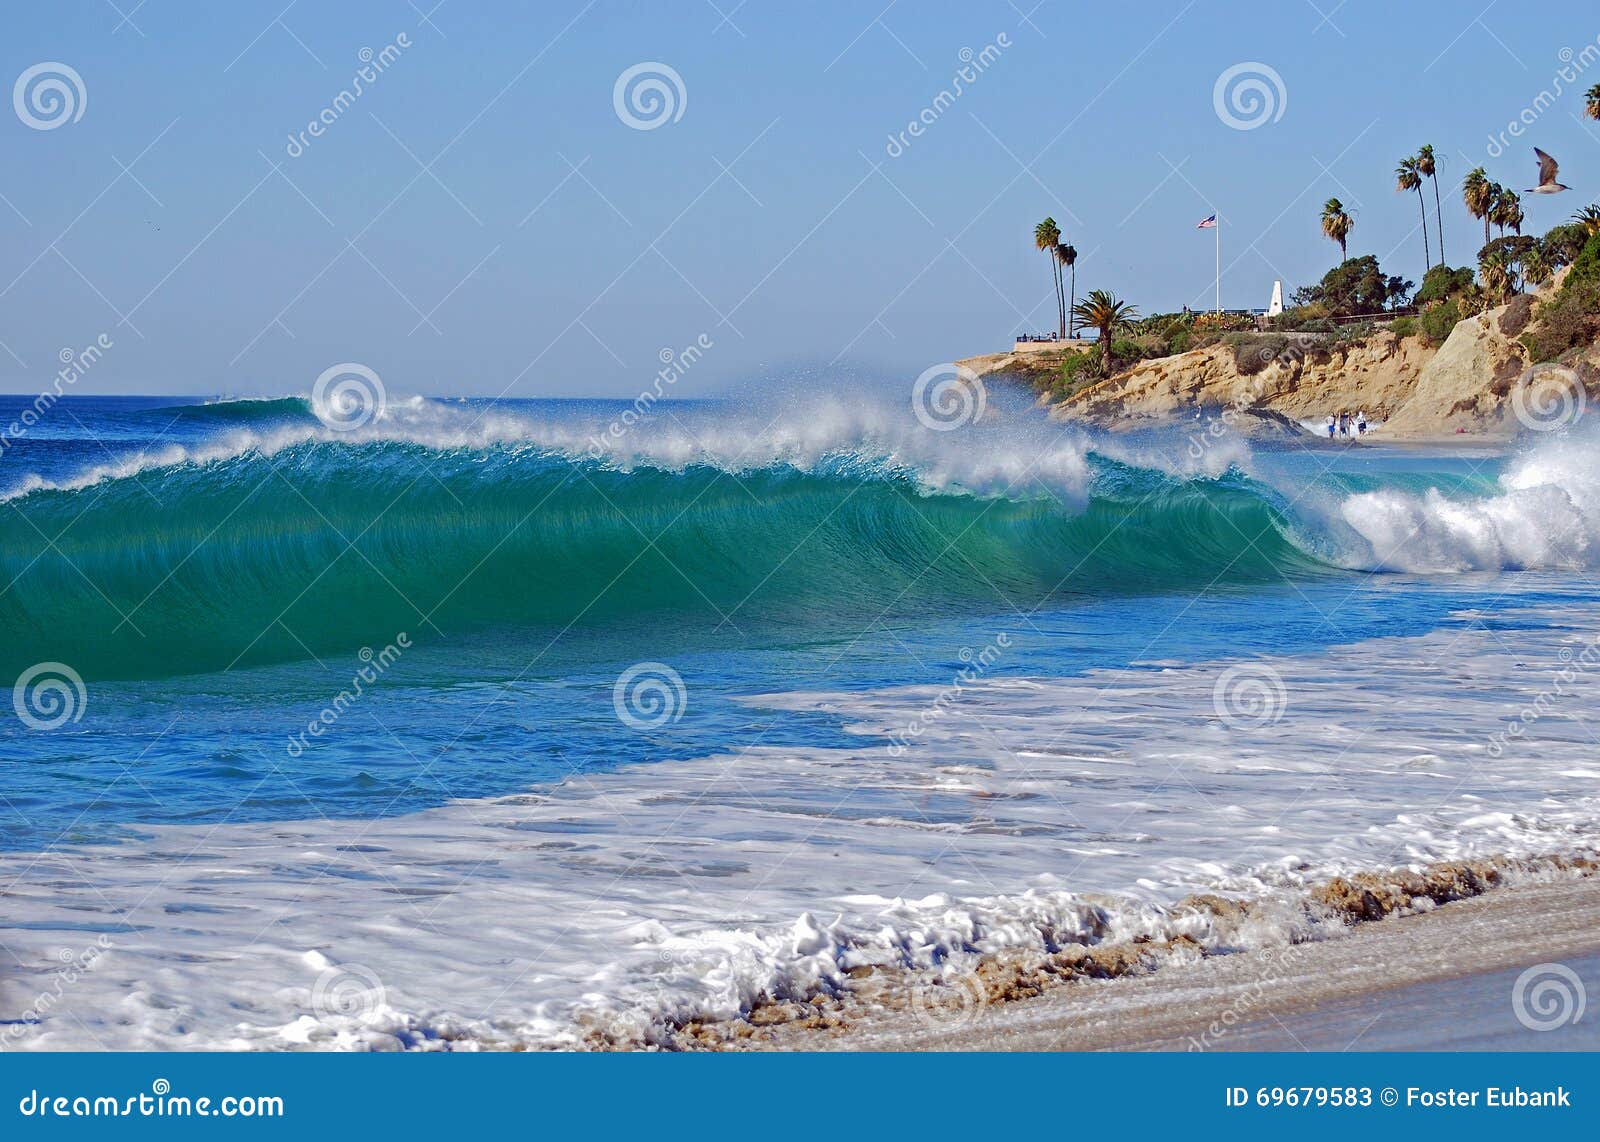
<point>1478,194</point>
<point>1592,107</point>
<point>1506,210</point>
<point>1046,236</point>
<point>1107,313</point>
<point>1589,219</point>
<point>1408,178</point>
<point>1428,167</point>
<point>1497,273</point>
<point>1536,267</point>
<point>1336,225</point>
<point>1068,256</point>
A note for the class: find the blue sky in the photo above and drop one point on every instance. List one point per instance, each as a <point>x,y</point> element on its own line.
<point>550,249</point>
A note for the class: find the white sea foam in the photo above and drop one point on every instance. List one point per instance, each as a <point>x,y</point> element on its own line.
<point>1030,811</point>
<point>1547,515</point>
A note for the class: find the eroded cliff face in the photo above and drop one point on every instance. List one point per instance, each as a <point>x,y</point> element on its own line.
<point>1465,385</point>
<point>1471,384</point>
<point>1301,378</point>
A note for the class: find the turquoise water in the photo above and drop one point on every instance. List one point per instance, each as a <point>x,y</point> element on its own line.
<point>217,574</point>
<point>509,724</point>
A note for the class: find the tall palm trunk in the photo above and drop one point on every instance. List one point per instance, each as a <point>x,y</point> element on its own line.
<point>1422,205</point>
<point>1073,303</point>
<point>1439,214</point>
<point>1061,302</point>
<point>1105,350</point>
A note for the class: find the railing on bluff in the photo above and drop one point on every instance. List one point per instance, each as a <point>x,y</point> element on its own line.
<point>1381,317</point>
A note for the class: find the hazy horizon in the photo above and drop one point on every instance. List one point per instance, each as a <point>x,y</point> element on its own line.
<point>493,214</point>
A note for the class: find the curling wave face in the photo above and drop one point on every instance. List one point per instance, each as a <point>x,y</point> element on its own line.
<point>259,534</point>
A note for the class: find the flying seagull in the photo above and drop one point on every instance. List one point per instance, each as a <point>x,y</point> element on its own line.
<point>1547,175</point>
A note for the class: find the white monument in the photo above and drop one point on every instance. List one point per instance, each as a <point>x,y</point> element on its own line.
<point>1277,300</point>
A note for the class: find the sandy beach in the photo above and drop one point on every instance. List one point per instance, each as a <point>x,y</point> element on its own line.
<point>1441,980</point>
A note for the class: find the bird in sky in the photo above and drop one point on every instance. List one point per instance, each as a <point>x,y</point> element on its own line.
<point>1547,175</point>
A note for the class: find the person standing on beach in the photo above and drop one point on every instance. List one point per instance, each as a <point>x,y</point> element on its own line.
<point>1361,423</point>
<point>1330,426</point>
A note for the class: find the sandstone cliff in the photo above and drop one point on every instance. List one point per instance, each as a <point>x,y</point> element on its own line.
<point>1412,390</point>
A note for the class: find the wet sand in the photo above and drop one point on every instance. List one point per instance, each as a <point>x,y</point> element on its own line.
<point>1442,980</point>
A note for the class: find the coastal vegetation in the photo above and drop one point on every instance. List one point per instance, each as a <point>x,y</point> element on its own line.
<point>1357,297</point>
<point>1047,237</point>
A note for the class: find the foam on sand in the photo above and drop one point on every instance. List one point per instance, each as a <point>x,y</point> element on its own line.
<point>1027,814</point>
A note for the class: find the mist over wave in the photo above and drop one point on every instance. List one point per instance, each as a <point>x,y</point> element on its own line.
<point>265,535</point>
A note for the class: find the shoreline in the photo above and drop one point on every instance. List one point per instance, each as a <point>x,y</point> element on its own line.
<point>1438,979</point>
<point>1148,993</point>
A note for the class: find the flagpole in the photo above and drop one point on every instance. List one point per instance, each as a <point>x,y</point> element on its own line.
<point>1218,229</point>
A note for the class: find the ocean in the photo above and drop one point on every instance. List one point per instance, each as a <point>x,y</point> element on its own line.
<point>518,723</point>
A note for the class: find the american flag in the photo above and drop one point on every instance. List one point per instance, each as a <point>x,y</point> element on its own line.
<point>1207,223</point>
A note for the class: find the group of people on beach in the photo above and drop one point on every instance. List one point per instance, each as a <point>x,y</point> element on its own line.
<point>1345,424</point>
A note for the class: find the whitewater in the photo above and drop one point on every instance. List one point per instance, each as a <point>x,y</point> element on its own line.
<point>910,697</point>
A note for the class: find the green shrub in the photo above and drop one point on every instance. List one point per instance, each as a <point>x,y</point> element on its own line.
<point>1442,283</point>
<point>1126,350</point>
<point>1403,327</point>
<point>1572,316</point>
<point>1253,352</point>
<point>1078,372</point>
<point>1438,320</point>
